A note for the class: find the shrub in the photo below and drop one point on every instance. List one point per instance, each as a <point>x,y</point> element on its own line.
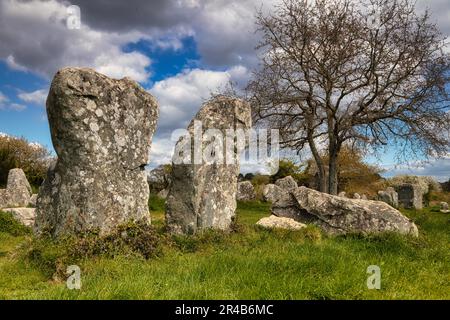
<point>32,158</point>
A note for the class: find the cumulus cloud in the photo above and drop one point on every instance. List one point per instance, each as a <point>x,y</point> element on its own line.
<point>438,168</point>
<point>180,97</point>
<point>36,97</point>
<point>35,37</point>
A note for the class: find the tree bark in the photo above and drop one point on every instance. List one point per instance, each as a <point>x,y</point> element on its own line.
<point>319,163</point>
<point>333,168</point>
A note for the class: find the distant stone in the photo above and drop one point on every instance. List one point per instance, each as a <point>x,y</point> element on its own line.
<point>101,130</point>
<point>163,193</point>
<point>342,194</point>
<point>356,196</point>
<point>337,215</point>
<point>287,183</point>
<point>410,196</point>
<point>18,190</point>
<point>245,191</point>
<point>364,197</point>
<point>24,215</point>
<point>444,207</point>
<point>272,192</point>
<point>159,178</point>
<point>390,196</point>
<point>274,222</point>
<point>203,195</point>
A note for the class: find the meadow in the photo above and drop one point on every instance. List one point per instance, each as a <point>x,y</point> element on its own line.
<point>247,263</point>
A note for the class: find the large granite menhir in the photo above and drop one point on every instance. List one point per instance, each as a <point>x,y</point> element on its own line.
<point>101,130</point>
<point>203,195</point>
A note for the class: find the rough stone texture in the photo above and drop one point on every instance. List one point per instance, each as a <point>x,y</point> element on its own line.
<point>18,190</point>
<point>356,196</point>
<point>159,179</point>
<point>204,195</point>
<point>287,183</point>
<point>342,194</point>
<point>272,192</point>
<point>24,215</point>
<point>364,197</point>
<point>390,196</point>
<point>280,223</point>
<point>101,130</point>
<point>337,215</point>
<point>245,191</point>
<point>410,196</point>
<point>33,200</point>
<point>444,207</point>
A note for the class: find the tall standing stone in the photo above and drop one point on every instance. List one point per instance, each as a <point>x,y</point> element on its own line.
<point>101,130</point>
<point>203,195</point>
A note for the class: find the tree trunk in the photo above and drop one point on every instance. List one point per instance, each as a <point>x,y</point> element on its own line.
<point>320,165</point>
<point>333,168</point>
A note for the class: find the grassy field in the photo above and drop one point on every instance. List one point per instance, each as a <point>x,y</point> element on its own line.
<point>248,263</point>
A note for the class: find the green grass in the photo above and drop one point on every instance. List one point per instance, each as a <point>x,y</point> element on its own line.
<point>248,263</point>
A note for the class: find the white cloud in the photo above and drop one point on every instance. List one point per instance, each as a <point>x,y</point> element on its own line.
<point>438,168</point>
<point>35,37</point>
<point>179,98</point>
<point>37,97</point>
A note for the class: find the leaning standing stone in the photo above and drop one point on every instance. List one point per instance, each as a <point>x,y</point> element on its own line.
<point>101,130</point>
<point>203,195</point>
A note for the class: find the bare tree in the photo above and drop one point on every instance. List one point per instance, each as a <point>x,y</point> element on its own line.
<point>371,73</point>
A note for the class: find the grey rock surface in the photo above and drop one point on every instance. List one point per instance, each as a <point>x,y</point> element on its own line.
<point>337,215</point>
<point>245,191</point>
<point>203,195</point>
<point>101,130</point>
<point>287,183</point>
<point>18,190</point>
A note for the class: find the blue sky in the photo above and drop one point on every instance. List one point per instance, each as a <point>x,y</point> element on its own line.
<point>179,50</point>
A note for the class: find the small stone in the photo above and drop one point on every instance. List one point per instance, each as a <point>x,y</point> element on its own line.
<point>274,222</point>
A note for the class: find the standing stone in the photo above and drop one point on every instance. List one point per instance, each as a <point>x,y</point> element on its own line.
<point>410,196</point>
<point>356,196</point>
<point>18,190</point>
<point>245,191</point>
<point>101,130</point>
<point>342,194</point>
<point>287,183</point>
<point>203,195</point>
<point>390,196</point>
<point>364,197</point>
